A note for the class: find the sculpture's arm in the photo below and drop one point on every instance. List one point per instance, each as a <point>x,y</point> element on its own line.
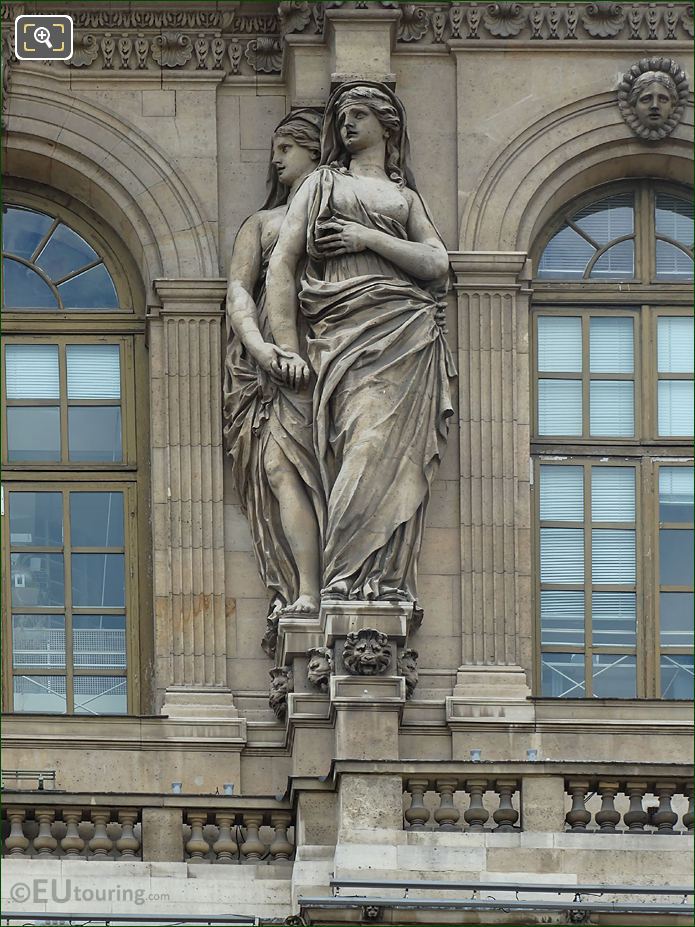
<point>244,269</point>
<point>423,255</point>
<point>282,303</point>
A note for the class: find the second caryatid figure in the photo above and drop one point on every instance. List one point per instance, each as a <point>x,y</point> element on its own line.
<point>350,322</point>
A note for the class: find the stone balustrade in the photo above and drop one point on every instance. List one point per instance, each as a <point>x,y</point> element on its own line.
<point>639,805</point>
<point>201,829</point>
<point>467,802</point>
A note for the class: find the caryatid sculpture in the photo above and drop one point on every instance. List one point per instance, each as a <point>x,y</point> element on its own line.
<point>373,273</point>
<point>268,423</point>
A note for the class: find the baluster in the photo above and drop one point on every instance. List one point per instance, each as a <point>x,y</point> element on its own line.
<point>635,817</point>
<point>446,815</point>
<point>417,815</point>
<point>16,842</point>
<point>127,844</point>
<point>578,817</point>
<point>688,816</point>
<point>72,843</point>
<point>506,815</point>
<point>608,817</point>
<point>280,848</point>
<point>44,842</point>
<point>665,817</point>
<point>101,843</point>
<point>253,847</point>
<point>476,814</point>
<point>197,846</point>
<point>225,847</point>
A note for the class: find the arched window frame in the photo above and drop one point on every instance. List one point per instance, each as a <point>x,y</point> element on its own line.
<point>645,299</point>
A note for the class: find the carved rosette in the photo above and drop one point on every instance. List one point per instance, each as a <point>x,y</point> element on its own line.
<point>85,50</point>
<point>674,75</point>
<point>504,19</point>
<point>366,652</point>
<point>603,20</point>
<point>407,667</point>
<point>264,54</point>
<point>172,49</point>
<point>319,668</point>
<point>281,684</point>
<point>293,15</point>
<point>413,24</point>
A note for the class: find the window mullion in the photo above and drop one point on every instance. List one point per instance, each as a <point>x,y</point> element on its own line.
<point>588,650</point>
<point>63,375</point>
<point>586,377</point>
<point>67,565</point>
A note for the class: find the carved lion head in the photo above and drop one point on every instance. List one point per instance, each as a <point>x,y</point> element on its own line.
<point>320,667</point>
<point>407,667</point>
<point>366,652</point>
<point>281,683</point>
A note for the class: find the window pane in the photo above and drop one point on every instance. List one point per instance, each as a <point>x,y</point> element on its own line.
<point>610,218</point>
<point>675,344</point>
<point>617,263</point>
<point>562,493</point>
<point>94,371</point>
<point>40,693</point>
<point>37,579</point>
<point>612,556</point>
<point>38,640</point>
<point>562,618</point>
<point>614,618</point>
<point>559,407</point>
<point>98,580</point>
<point>23,230</point>
<point>559,344</point>
<point>31,371</point>
<point>100,695</point>
<point>672,263</point>
<point>676,676</point>
<point>676,494</point>
<point>24,289</point>
<point>92,289</point>
<point>675,408</point>
<point>612,408</point>
<point>36,519</point>
<point>674,218</point>
<point>94,433</point>
<point>614,675</point>
<point>611,345</point>
<point>33,433</point>
<point>676,619</point>
<point>65,252</point>
<point>562,675</point>
<point>675,557</point>
<point>565,256</point>
<point>613,494</point>
<point>96,519</point>
<point>99,641</point>
<point>562,555</point>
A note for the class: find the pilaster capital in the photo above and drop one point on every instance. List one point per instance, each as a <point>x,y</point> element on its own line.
<point>189,296</point>
<point>491,270</point>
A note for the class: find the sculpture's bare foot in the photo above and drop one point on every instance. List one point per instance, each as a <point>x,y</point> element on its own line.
<point>304,605</point>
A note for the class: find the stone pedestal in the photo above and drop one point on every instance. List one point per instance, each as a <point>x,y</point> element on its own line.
<point>360,43</point>
<point>187,524</point>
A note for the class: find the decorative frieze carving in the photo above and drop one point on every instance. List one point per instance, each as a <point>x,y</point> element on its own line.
<point>652,96</point>
<point>366,652</point>
<point>320,667</point>
<point>281,684</point>
<point>407,667</point>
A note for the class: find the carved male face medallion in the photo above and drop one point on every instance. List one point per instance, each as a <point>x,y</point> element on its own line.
<point>654,104</point>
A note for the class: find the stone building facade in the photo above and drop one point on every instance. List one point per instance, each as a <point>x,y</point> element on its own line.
<point>535,729</point>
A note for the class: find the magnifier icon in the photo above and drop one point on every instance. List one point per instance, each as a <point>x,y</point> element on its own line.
<point>43,35</point>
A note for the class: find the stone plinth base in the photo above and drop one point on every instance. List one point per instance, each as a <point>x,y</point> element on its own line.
<point>367,712</point>
<point>489,693</point>
<point>199,703</point>
<point>296,636</point>
<point>338,619</point>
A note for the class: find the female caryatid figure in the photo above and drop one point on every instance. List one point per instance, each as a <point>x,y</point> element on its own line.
<point>375,271</point>
<point>268,424</point>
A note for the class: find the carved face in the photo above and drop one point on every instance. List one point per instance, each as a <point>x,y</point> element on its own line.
<point>366,653</point>
<point>319,668</point>
<point>280,685</point>
<point>407,667</point>
<point>653,104</point>
<point>290,160</point>
<point>359,128</point>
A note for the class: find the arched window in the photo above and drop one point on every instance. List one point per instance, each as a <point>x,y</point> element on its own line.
<point>612,442</point>
<point>70,462</point>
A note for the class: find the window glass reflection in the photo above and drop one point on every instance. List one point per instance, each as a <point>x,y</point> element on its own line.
<point>40,694</point>
<point>36,519</point>
<point>37,579</point>
<point>23,230</point>
<point>94,433</point>
<point>96,519</point>
<point>98,580</point>
<point>38,640</point>
<point>33,433</point>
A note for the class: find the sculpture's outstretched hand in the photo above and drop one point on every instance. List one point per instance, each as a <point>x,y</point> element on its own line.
<point>338,236</point>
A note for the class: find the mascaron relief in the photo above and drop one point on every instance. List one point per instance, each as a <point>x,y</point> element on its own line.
<point>281,684</point>
<point>652,96</point>
<point>366,652</point>
<point>319,668</point>
<point>407,667</point>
